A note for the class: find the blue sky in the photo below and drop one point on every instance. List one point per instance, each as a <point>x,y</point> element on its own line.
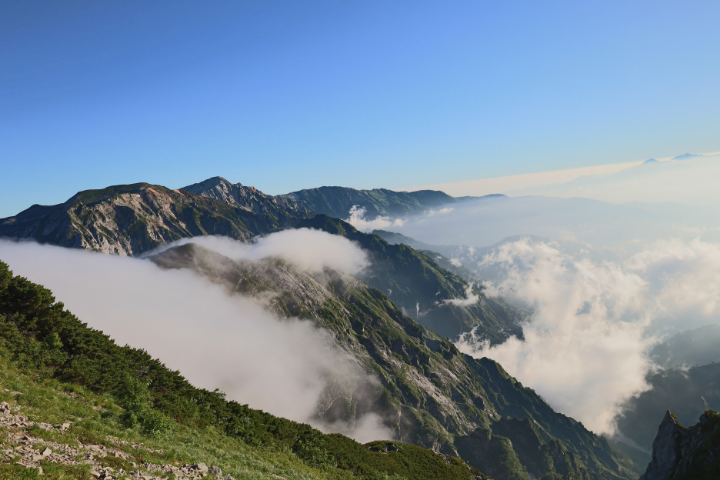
<point>285,95</point>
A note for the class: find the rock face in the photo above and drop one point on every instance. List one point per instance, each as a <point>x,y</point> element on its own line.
<point>132,219</point>
<point>681,453</point>
<point>249,198</point>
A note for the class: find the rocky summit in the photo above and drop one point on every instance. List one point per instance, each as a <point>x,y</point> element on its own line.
<point>132,219</point>
<point>686,453</point>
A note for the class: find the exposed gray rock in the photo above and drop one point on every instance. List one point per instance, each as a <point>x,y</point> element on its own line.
<point>201,467</point>
<point>248,198</point>
<point>216,471</point>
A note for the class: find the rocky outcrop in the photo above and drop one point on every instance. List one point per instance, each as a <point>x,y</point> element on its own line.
<point>132,219</point>
<point>249,198</point>
<point>681,453</point>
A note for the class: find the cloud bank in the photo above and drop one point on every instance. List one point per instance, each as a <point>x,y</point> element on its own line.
<point>310,250</point>
<point>479,223</point>
<point>593,322</point>
<point>214,340</point>
<point>357,220</point>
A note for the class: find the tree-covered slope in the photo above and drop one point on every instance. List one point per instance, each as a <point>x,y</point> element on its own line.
<point>48,344</point>
<point>132,219</point>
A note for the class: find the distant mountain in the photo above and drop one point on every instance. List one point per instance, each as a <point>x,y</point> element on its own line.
<point>250,198</point>
<point>337,201</point>
<point>685,179</point>
<point>649,160</point>
<point>132,219</point>
<point>699,346</point>
<point>686,156</point>
<point>686,453</point>
<point>429,393</point>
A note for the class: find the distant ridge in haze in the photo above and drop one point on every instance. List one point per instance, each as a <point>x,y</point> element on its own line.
<point>333,201</point>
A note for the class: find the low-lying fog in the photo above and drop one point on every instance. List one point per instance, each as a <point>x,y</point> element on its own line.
<point>215,340</point>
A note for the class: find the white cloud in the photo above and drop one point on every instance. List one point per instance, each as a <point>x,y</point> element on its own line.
<point>584,348</point>
<point>213,339</point>
<point>470,299</point>
<point>487,186</point>
<point>357,220</point>
<point>311,250</point>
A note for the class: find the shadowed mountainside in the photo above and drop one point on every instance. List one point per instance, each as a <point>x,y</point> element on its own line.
<point>429,393</point>
<point>686,453</point>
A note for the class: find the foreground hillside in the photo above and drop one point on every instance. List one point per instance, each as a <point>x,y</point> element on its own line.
<point>72,390</point>
<point>41,336</point>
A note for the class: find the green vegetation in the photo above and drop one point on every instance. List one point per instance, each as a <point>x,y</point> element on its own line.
<point>45,350</point>
<point>445,400</point>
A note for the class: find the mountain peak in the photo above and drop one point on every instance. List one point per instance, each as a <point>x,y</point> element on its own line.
<point>245,197</point>
<point>686,156</point>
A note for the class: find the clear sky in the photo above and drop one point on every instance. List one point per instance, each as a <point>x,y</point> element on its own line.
<point>285,95</point>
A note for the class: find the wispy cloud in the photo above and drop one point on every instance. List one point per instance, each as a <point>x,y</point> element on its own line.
<point>487,186</point>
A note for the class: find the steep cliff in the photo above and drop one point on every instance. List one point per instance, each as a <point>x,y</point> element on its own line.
<point>686,453</point>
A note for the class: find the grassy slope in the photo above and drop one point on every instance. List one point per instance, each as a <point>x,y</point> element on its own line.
<point>54,351</point>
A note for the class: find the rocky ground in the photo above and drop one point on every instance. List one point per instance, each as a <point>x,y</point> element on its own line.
<point>32,452</point>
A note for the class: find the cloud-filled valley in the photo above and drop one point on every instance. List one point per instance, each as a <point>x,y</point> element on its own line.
<point>604,282</point>
<point>216,340</point>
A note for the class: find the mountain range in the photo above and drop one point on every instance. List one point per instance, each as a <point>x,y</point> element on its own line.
<point>394,318</point>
